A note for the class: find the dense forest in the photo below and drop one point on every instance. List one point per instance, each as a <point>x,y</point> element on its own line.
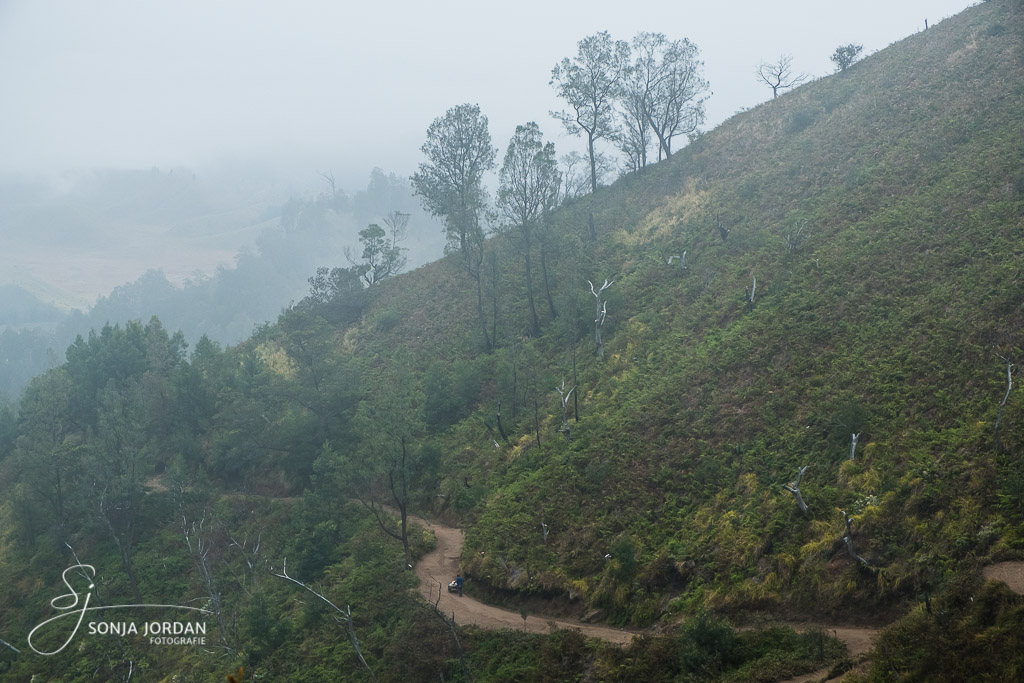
<point>771,375</point>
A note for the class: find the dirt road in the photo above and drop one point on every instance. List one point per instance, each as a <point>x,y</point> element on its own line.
<point>440,566</point>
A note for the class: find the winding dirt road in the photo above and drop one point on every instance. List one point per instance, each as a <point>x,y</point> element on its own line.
<point>438,567</point>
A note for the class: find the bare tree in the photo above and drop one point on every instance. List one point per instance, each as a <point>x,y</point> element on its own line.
<point>600,313</point>
<point>750,291</point>
<point>328,178</point>
<point>564,396</point>
<point>198,539</point>
<point>794,488</point>
<point>853,444</point>
<point>778,75</point>
<point>795,237</point>
<point>574,182</point>
<point>346,614</point>
<point>999,415</point>
<point>682,260</point>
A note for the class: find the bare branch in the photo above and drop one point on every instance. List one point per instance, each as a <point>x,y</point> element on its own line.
<point>345,613</point>
<point>778,75</point>
<point>794,488</point>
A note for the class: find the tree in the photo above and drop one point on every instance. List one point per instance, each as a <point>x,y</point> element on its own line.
<point>48,448</point>
<point>459,152</point>
<point>667,78</point>
<point>117,469</point>
<point>779,74</point>
<point>382,257</point>
<point>527,189</point>
<point>846,55</point>
<point>634,139</point>
<point>589,83</point>
<point>383,467</point>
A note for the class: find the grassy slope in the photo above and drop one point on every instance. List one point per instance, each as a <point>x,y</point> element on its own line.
<point>906,172</point>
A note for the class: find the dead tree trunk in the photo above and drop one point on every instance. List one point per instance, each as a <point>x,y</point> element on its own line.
<point>345,613</point>
<point>600,313</point>
<point>564,395</point>
<point>794,488</point>
<point>999,415</point>
<point>853,444</point>
<point>197,538</point>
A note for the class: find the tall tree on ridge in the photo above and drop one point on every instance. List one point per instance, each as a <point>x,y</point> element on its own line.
<point>459,152</point>
<point>528,184</point>
<point>589,83</point>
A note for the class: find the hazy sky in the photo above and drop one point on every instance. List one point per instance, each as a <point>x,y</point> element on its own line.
<point>332,84</point>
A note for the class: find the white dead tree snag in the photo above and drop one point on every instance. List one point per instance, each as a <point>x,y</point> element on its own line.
<point>4,642</point>
<point>848,540</point>
<point>794,488</point>
<point>544,531</point>
<point>853,444</point>
<point>345,613</point>
<point>999,415</point>
<point>600,313</point>
<point>682,260</point>
<point>750,292</point>
<point>565,396</point>
<point>199,542</point>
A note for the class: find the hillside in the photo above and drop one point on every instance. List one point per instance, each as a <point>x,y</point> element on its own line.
<point>853,257</point>
<point>899,186</point>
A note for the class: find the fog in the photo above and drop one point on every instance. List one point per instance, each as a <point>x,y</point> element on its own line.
<point>164,144</point>
<point>314,84</point>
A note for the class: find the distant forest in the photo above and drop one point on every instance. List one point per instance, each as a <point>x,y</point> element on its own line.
<point>303,234</point>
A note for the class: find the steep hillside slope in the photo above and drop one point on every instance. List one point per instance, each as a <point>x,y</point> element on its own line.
<point>845,322</point>
<point>880,211</point>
